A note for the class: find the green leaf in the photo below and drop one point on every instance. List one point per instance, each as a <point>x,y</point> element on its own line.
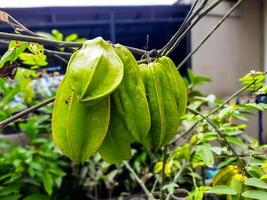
<point>57,35</point>
<point>255,162</point>
<point>255,171</point>
<point>235,140</point>
<point>48,183</point>
<point>36,48</point>
<point>158,167</point>
<point>255,182</point>
<point>255,194</point>
<point>11,189</point>
<point>11,197</point>
<point>217,150</point>
<point>13,53</point>
<point>197,80</point>
<point>222,190</point>
<point>263,90</point>
<point>36,197</point>
<point>254,77</point>
<point>206,154</point>
<point>71,38</point>
<point>254,106</point>
<point>170,187</point>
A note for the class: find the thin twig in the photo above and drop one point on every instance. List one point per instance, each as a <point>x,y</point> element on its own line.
<point>222,137</point>
<point>49,52</point>
<point>164,160</point>
<point>168,50</point>
<point>58,44</point>
<point>139,181</point>
<point>210,33</point>
<point>155,185</point>
<point>25,112</point>
<point>182,168</point>
<point>40,40</point>
<point>18,27</point>
<point>184,24</point>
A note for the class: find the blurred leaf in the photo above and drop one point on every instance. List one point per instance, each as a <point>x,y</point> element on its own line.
<point>57,35</point>
<point>11,189</point>
<point>235,140</point>
<point>170,187</point>
<point>263,90</point>
<point>71,38</point>
<point>255,171</point>
<point>36,197</point>
<point>196,79</point>
<point>222,190</point>
<point>206,154</point>
<point>13,52</point>
<point>255,182</point>
<point>254,77</point>
<point>255,194</point>
<point>11,197</point>
<point>48,183</point>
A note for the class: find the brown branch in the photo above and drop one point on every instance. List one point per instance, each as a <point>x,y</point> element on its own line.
<point>164,160</point>
<point>210,33</point>
<point>58,44</point>
<point>25,112</point>
<point>176,42</point>
<point>185,24</point>
<point>18,27</point>
<point>139,181</point>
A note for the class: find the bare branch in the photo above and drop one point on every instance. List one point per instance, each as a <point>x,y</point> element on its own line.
<point>164,160</point>
<point>139,181</point>
<point>185,23</point>
<point>210,33</point>
<point>25,112</point>
<point>58,44</point>
<point>18,27</point>
<point>170,48</point>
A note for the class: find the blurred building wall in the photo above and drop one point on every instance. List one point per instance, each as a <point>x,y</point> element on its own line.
<point>234,50</point>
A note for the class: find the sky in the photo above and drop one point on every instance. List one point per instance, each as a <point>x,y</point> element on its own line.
<point>45,3</point>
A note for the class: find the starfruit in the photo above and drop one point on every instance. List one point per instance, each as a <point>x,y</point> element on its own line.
<point>78,130</point>
<point>94,71</point>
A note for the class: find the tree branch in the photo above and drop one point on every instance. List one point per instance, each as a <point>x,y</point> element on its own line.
<point>171,47</point>
<point>18,27</point>
<point>164,160</point>
<point>58,44</point>
<point>210,33</point>
<point>139,181</point>
<point>185,23</point>
<point>25,112</point>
